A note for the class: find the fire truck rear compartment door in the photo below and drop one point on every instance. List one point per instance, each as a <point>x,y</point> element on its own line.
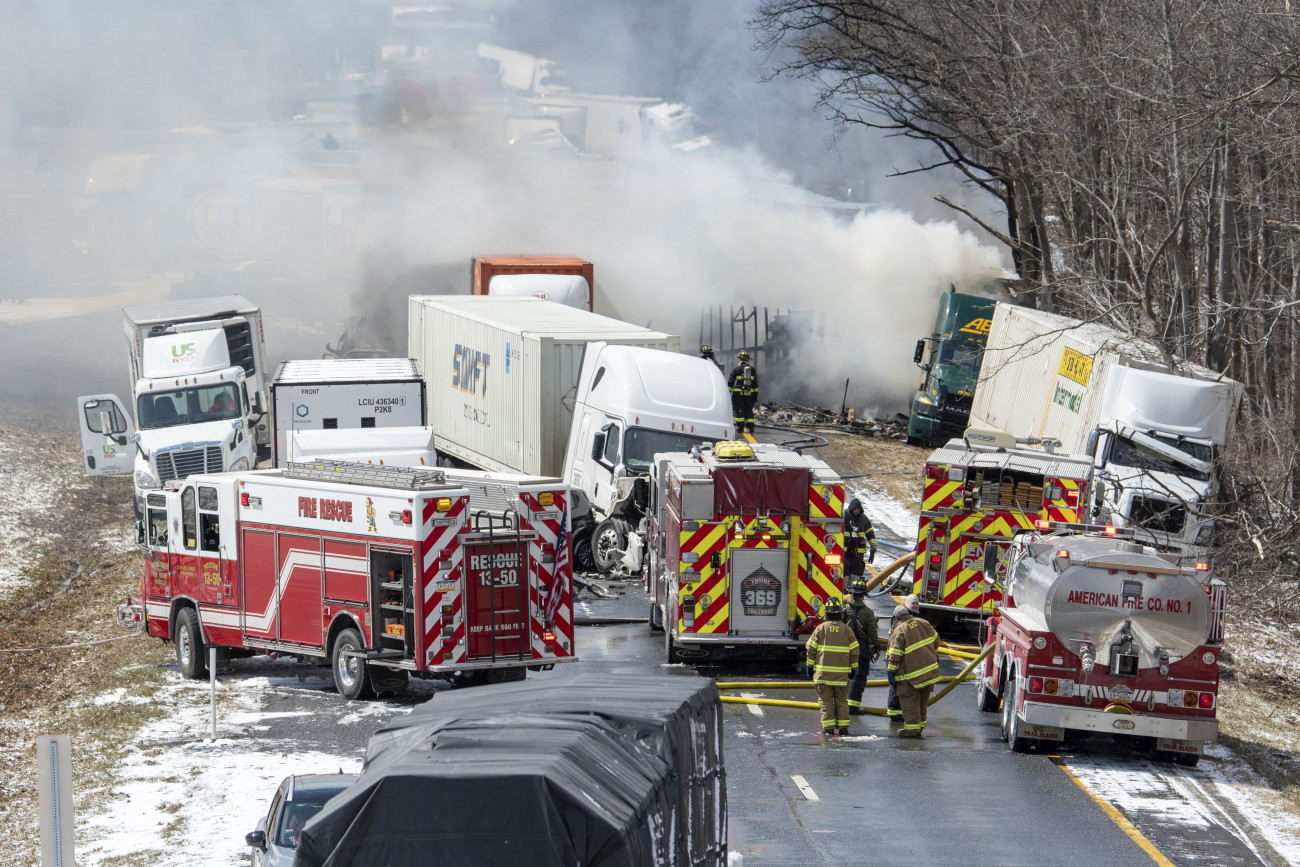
<point>301,590</point>
<point>496,598</point>
<point>758,591</point>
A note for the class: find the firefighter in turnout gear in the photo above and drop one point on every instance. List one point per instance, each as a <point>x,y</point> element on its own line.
<point>913,664</point>
<point>743,383</point>
<point>706,351</point>
<point>862,620</point>
<point>832,660</point>
<point>859,536</point>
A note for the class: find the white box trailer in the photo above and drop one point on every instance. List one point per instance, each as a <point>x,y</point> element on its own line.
<point>1153,433</point>
<point>345,394</point>
<point>503,372</point>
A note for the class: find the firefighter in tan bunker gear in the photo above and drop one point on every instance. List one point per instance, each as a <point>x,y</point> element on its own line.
<point>832,661</point>
<point>912,664</point>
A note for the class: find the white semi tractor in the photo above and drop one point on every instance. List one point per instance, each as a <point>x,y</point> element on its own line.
<point>1153,433</point>
<point>199,401</point>
<point>527,385</point>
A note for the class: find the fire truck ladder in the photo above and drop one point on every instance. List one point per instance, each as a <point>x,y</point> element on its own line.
<point>487,523</point>
<point>352,473</point>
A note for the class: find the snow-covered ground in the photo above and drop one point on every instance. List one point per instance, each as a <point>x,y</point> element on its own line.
<point>181,798</point>
<point>26,492</point>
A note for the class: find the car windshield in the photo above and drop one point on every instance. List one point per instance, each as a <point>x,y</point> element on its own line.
<point>1141,457</point>
<point>159,409</point>
<point>640,445</point>
<point>294,815</point>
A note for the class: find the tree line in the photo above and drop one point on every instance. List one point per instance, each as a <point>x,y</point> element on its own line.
<point>1146,154</point>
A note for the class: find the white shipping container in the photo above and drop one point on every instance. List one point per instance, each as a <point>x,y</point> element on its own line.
<point>1045,375</point>
<point>500,369</point>
<point>343,394</point>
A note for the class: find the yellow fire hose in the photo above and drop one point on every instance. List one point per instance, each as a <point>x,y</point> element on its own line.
<point>952,682</point>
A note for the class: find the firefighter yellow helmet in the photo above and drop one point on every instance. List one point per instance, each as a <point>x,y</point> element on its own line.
<point>706,349</point>
<point>743,355</point>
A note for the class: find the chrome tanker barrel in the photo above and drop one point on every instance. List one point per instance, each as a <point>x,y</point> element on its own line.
<point>1113,601</point>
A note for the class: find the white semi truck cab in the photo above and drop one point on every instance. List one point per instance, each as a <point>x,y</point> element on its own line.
<point>1154,448</point>
<point>631,403</point>
<point>199,402</point>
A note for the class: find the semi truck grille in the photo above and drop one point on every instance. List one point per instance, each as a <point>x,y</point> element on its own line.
<point>1161,515</point>
<point>185,462</point>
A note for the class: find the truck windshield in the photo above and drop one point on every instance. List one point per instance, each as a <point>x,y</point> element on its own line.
<point>961,354</point>
<point>202,403</point>
<point>641,445</point>
<point>1131,454</point>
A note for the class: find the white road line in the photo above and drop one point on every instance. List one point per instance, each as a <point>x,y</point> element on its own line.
<point>807,790</point>
<point>753,708</point>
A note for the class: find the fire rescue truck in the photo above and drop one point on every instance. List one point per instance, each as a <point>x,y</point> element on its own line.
<point>746,545</point>
<point>1102,635</point>
<point>382,571</point>
<point>987,486</point>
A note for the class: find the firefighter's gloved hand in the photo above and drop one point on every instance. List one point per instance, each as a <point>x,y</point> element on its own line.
<point>810,671</point>
<point>853,673</point>
<point>889,675</point>
<point>871,556</point>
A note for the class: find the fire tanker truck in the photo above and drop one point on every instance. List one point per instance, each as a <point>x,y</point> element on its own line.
<point>746,543</point>
<point>382,571</point>
<point>1102,635</point>
<point>987,487</point>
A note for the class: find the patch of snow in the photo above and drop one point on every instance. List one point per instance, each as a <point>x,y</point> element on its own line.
<point>884,510</point>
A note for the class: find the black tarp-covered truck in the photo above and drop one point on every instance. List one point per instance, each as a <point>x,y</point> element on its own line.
<point>592,769</point>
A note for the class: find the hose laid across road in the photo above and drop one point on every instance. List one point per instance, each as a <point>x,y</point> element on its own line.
<point>952,681</point>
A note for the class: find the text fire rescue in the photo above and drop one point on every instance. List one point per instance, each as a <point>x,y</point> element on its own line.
<point>326,510</point>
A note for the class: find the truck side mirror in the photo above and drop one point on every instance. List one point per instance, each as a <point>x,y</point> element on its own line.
<point>139,532</point>
<point>990,560</point>
<point>920,351</point>
<point>598,446</point>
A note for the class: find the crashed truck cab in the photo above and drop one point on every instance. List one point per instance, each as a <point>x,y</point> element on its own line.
<point>192,407</point>
<point>631,404</point>
<point>746,544</point>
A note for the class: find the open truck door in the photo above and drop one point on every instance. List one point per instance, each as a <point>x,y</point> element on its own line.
<point>106,431</point>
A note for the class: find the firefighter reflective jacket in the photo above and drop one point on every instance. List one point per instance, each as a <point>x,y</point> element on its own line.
<point>743,380</point>
<point>913,655</point>
<point>833,653</point>
<point>865,626</point>
<point>858,532</point>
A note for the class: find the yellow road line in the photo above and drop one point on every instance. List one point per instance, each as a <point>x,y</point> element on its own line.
<point>1117,817</point>
<point>749,436</point>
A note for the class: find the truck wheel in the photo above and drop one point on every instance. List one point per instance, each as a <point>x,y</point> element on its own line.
<point>351,675</point>
<point>607,545</point>
<point>190,650</point>
<point>985,698</point>
<point>582,558</point>
<point>1011,720</point>
<point>670,647</point>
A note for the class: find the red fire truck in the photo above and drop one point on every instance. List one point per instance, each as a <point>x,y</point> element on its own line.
<point>382,571</point>
<point>746,544</point>
<point>987,487</point>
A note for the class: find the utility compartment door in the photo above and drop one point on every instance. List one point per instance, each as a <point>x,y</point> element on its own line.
<point>496,600</point>
<point>257,573</point>
<point>301,590</point>
<point>106,429</point>
<point>759,600</point>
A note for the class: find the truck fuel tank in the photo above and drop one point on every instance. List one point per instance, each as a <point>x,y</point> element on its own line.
<point>1095,591</point>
